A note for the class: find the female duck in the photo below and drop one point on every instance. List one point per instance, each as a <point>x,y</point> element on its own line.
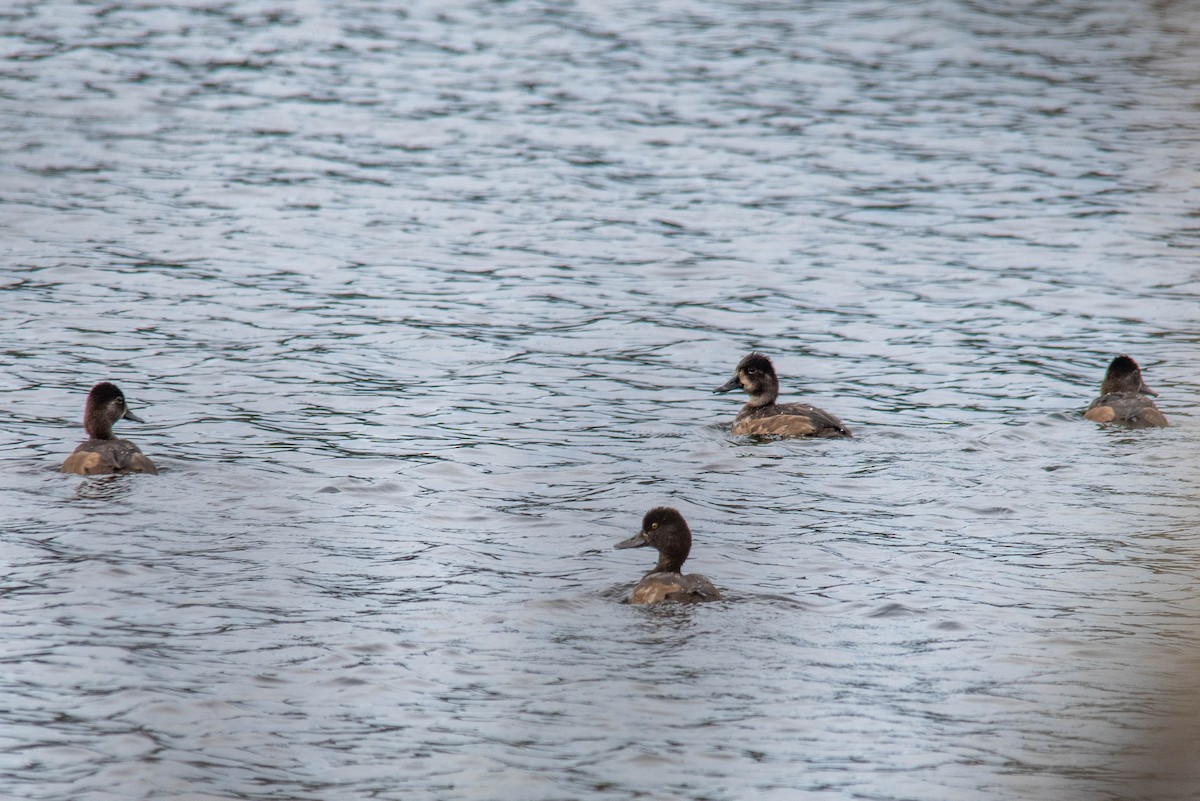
<point>665,529</point>
<point>1124,398</point>
<point>762,415</point>
<point>104,453</point>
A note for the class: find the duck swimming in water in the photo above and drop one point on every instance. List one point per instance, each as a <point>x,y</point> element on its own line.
<point>763,416</point>
<point>664,529</point>
<point>102,452</point>
<point>1125,398</point>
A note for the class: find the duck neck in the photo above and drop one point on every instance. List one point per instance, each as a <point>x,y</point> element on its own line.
<point>764,397</point>
<point>673,551</point>
<point>97,425</point>
<point>668,564</point>
<point>1119,385</point>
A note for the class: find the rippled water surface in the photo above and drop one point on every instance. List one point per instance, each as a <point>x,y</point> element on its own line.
<point>423,305</point>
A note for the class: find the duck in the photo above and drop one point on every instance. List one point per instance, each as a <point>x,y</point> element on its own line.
<point>763,416</point>
<point>103,453</point>
<point>1125,398</point>
<point>664,529</point>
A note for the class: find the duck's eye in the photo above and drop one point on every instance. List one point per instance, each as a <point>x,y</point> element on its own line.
<point>751,371</point>
<point>654,525</point>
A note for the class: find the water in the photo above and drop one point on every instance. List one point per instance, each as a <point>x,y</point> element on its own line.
<point>423,307</point>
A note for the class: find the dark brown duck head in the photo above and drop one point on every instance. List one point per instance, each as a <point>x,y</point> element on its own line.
<point>756,375</point>
<point>105,406</point>
<point>1124,375</point>
<point>664,529</point>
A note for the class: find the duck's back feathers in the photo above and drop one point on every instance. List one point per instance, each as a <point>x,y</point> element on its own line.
<point>101,456</point>
<point>659,587</point>
<point>789,420</point>
<point>1127,409</point>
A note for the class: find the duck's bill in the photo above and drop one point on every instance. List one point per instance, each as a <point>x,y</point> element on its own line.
<point>1147,391</point>
<point>636,541</point>
<point>131,416</point>
<point>729,386</point>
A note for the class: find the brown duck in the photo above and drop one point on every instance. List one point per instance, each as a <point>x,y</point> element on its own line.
<point>1125,398</point>
<point>664,529</point>
<point>102,452</point>
<point>763,416</point>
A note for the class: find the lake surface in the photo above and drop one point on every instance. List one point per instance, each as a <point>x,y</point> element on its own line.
<point>423,305</point>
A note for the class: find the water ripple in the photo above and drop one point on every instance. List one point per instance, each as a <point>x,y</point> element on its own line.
<point>423,308</point>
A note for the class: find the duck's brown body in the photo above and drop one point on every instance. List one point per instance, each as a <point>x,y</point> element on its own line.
<point>1132,411</point>
<point>1125,399</point>
<point>788,420</point>
<point>762,416</point>
<point>104,453</point>
<point>675,587</point>
<point>99,456</point>
<point>664,529</point>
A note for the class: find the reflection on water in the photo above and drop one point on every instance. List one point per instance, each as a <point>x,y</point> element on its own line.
<point>424,308</point>
<point>104,489</point>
